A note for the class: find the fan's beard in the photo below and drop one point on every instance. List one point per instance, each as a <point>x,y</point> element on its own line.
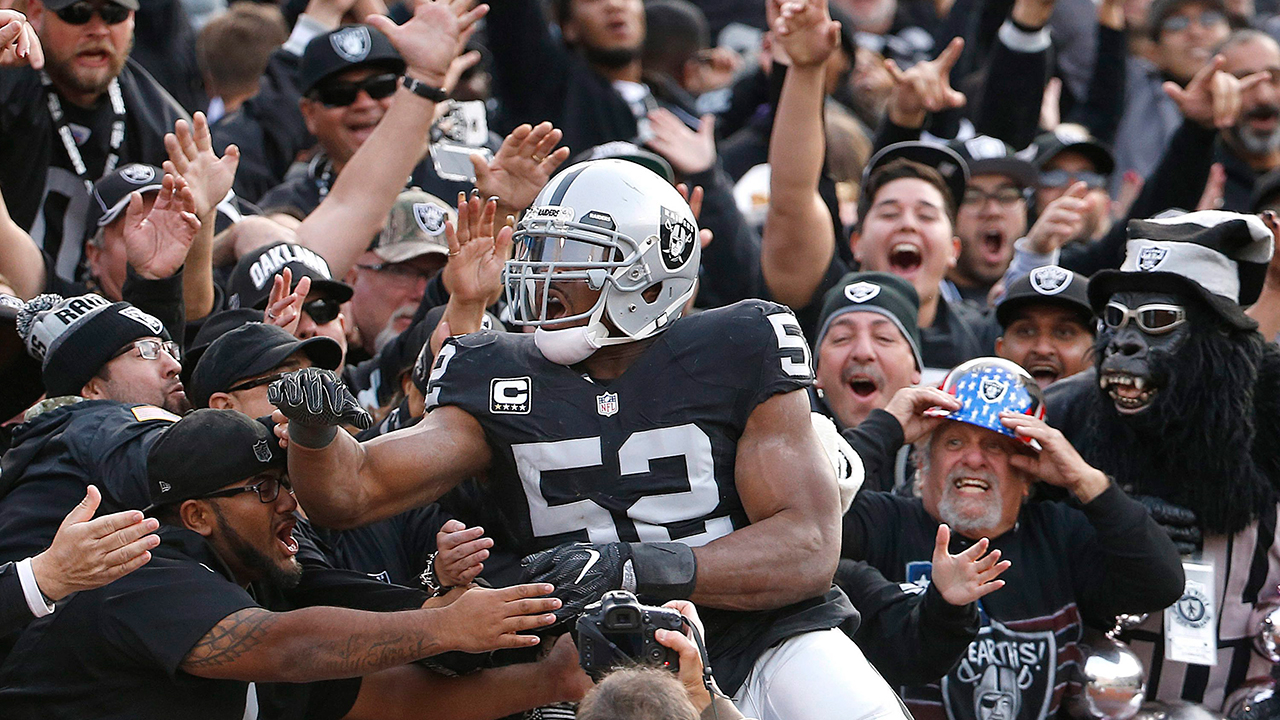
<point>610,57</point>
<point>83,82</point>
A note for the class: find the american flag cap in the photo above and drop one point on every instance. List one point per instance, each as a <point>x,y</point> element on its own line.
<point>988,386</point>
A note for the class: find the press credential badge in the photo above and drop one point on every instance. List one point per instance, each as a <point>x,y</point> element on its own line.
<point>1190,625</point>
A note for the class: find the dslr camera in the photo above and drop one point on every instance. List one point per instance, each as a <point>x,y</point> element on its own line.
<point>618,631</point>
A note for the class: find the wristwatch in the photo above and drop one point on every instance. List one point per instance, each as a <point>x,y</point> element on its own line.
<point>430,582</point>
<point>423,90</point>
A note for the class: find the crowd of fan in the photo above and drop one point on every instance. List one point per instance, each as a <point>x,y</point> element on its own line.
<point>199,198</point>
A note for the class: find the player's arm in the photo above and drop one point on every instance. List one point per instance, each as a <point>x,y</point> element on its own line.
<point>342,483</point>
<point>325,643</point>
<point>788,488</point>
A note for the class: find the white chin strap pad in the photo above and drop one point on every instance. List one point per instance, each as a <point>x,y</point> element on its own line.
<point>568,346</point>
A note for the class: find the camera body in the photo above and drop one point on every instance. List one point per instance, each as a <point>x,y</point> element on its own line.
<point>618,631</point>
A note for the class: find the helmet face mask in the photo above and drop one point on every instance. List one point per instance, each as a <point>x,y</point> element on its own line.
<point>621,230</point>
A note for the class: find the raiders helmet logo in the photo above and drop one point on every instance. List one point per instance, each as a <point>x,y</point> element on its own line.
<point>138,174</point>
<point>676,240</point>
<point>430,217</point>
<point>992,390</point>
<point>352,44</point>
<point>861,292</point>
<point>1149,258</point>
<point>984,147</point>
<point>262,451</point>
<point>1050,280</point>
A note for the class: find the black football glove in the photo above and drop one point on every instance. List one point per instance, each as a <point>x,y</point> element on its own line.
<point>581,572</point>
<point>316,402</point>
<point>1181,524</point>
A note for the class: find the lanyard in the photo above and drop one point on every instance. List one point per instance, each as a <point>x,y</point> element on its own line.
<point>322,173</point>
<point>69,141</point>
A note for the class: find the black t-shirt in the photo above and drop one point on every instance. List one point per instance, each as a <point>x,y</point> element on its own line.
<point>116,652</point>
<point>42,193</point>
<point>648,456</point>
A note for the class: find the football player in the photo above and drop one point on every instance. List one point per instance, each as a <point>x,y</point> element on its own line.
<point>625,446</point>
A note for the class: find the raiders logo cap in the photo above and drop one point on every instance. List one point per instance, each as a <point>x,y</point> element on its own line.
<point>74,337</point>
<point>342,49</point>
<point>1047,285</point>
<point>1219,256</point>
<point>949,164</point>
<point>111,193</point>
<point>985,155</point>
<point>414,227</point>
<point>252,277</point>
<point>206,451</point>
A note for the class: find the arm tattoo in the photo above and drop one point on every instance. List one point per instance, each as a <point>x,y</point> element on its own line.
<point>233,636</point>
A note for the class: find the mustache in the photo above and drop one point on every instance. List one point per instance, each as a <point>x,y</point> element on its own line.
<point>1264,111</point>
<point>869,369</point>
<point>958,472</point>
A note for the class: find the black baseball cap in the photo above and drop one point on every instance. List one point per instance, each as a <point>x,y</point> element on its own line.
<point>56,5</point>
<point>251,350</point>
<point>949,164</point>
<point>252,277</point>
<point>1077,139</point>
<point>986,155</point>
<point>1047,285</point>
<point>342,49</point>
<point>111,193</point>
<point>205,451</point>
<point>214,327</point>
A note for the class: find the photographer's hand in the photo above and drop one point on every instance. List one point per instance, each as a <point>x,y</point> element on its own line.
<point>690,675</point>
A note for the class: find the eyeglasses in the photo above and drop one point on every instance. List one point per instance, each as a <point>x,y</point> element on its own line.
<point>82,12</point>
<point>1004,196</point>
<point>342,94</point>
<point>1153,319</point>
<point>322,310</point>
<point>1063,178</point>
<point>1206,19</point>
<point>150,349</point>
<point>259,382</point>
<point>268,490</point>
<point>400,272</point>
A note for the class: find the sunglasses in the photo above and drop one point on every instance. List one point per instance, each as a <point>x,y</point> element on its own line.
<point>259,382</point>
<point>82,12</point>
<point>1062,178</point>
<point>1153,319</point>
<point>151,349</point>
<point>342,94</point>
<point>268,490</point>
<point>1207,18</point>
<point>322,310</point>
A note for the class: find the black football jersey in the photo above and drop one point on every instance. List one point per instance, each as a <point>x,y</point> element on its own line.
<point>646,457</point>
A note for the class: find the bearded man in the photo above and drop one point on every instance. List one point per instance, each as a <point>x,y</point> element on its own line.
<point>1183,406</point>
<point>83,111</point>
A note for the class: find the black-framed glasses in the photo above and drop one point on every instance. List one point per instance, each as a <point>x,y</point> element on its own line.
<point>977,197</point>
<point>268,490</point>
<point>342,94</point>
<point>82,12</point>
<point>257,382</point>
<point>322,310</point>
<point>151,349</point>
<point>1206,18</point>
<point>1063,178</point>
<point>1153,319</point>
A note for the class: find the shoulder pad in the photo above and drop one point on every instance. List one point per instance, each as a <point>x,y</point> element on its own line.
<point>476,339</point>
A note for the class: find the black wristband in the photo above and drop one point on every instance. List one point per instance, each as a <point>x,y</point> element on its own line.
<point>423,90</point>
<point>1025,28</point>
<point>664,570</point>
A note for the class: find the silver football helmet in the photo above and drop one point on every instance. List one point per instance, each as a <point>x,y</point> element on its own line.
<point>622,230</point>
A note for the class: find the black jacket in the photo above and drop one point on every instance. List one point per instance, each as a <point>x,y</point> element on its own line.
<point>14,613</point>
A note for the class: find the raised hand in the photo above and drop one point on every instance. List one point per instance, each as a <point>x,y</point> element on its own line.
<point>688,152</point>
<point>284,308</point>
<point>460,553</point>
<point>915,409</point>
<point>1212,98</point>
<point>1062,220</point>
<point>1057,463</point>
<point>88,553</point>
<point>315,402</point>
<point>473,274</point>
<point>192,157</point>
<point>694,198</point>
<point>156,243</point>
<point>523,164</point>
<point>924,87</point>
<point>804,30</point>
<point>969,575</point>
<point>480,620</point>
<point>19,44</point>
<point>435,35</point>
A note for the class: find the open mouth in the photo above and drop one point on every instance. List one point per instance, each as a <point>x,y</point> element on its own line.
<point>284,534</point>
<point>1044,373</point>
<point>94,57</point>
<point>971,485</point>
<point>992,243</point>
<point>1130,393</point>
<point>905,258</point>
<point>863,386</point>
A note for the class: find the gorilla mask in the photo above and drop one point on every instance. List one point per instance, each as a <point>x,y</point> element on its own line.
<point>1140,335</point>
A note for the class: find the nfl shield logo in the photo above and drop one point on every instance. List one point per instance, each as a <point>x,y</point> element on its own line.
<point>992,390</point>
<point>262,451</point>
<point>861,292</point>
<point>607,404</point>
<point>1149,258</point>
<point>1050,280</point>
<point>352,44</point>
<point>430,217</point>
